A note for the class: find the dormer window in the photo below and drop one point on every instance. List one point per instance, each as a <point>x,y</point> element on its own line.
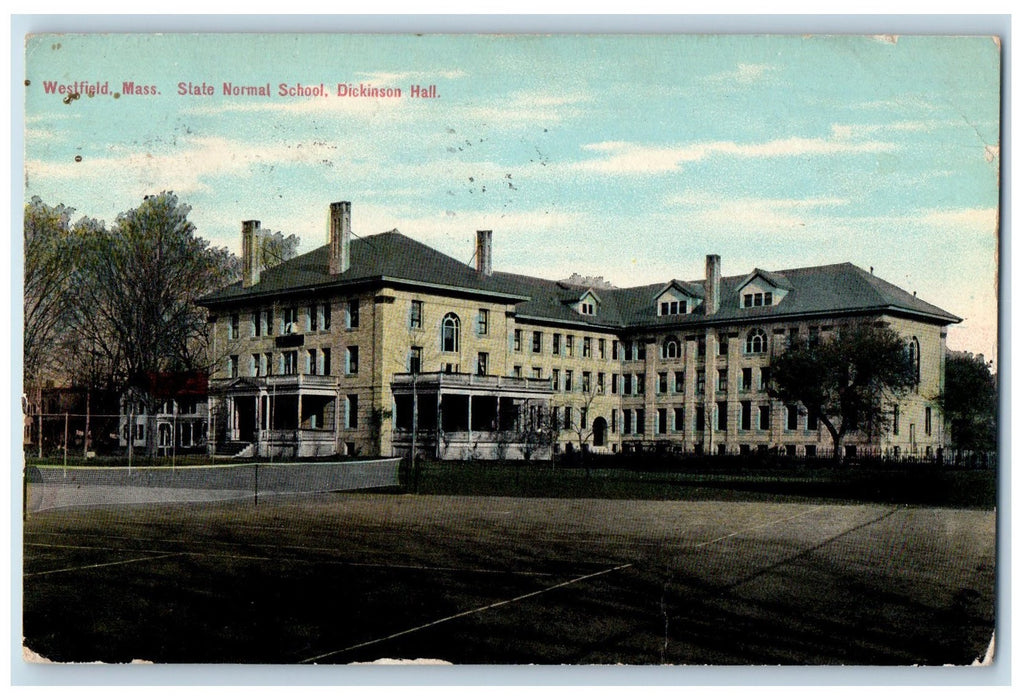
<point>587,308</point>
<point>673,308</point>
<point>758,299</point>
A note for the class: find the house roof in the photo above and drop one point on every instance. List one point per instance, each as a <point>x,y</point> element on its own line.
<point>393,258</point>
<point>390,256</point>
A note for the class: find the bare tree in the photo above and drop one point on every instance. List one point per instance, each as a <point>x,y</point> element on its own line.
<point>49,250</point>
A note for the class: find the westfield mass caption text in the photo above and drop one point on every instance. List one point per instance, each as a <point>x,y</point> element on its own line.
<point>92,88</point>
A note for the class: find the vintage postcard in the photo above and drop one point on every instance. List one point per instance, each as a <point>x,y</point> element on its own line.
<point>659,350</point>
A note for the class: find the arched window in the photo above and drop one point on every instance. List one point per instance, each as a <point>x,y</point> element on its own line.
<point>756,341</point>
<point>450,333</point>
<point>913,357</point>
<point>671,349</point>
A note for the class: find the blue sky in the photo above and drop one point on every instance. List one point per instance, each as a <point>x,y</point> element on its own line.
<point>628,157</point>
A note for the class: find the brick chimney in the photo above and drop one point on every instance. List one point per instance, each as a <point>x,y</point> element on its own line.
<point>250,249</point>
<point>340,237</point>
<point>484,253</point>
<point>711,286</point>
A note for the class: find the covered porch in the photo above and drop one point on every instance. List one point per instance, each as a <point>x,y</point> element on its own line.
<point>277,416</point>
<point>469,416</point>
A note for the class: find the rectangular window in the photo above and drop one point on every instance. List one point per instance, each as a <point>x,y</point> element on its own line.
<point>627,390</point>
<point>314,318</point>
<point>700,418</point>
<point>812,422</point>
<point>721,380</point>
<point>483,322</point>
<point>290,360</point>
<point>352,364</point>
<point>664,306</point>
<point>587,347</point>
<point>679,382</point>
<point>928,420</point>
<point>661,383</point>
<point>661,421</point>
<point>640,383</point>
<point>326,362</point>
<point>415,314</point>
<point>253,367</point>
<point>640,421</point>
<point>583,418</point>
<point>613,383</point>
<point>745,421</point>
<point>764,378</point>
<point>537,372</point>
<point>567,379</point>
<point>613,350</point>
<point>326,316</point>
<point>587,379</point>
<point>613,420</point>
<point>679,418</point>
<point>722,345</point>
<point>518,340</point>
<point>792,417</point>
<point>415,359</point>
<point>482,363</point>
<point>256,323</point>
<point>353,313</point>
<point>567,417</point>
<point>289,323</point>
<point>537,341</point>
<point>351,414</point>
<point>701,381</point>
<point>768,298</point>
<point>701,347</point>
<point>268,364</point>
<point>640,350</point>
<point>746,378</point>
<point>258,368</point>
<point>517,371</point>
<point>721,415</point>
<point>764,418</point>
<point>311,366</point>
<point>748,300</point>
<point>894,420</point>
<point>602,348</point>
<point>268,322</point>
<point>626,421</point>
<point>232,366</point>
<point>555,376</point>
<point>556,349</point>
<point>232,328</point>
<point>627,347</point>
<point>569,345</point>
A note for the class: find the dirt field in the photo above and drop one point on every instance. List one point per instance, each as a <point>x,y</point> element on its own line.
<point>340,578</point>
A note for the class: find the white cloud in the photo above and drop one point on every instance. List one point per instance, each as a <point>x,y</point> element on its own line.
<point>744,74</point>
<point>382,78</point>
<point>183,169</point>
<point>632,158</point>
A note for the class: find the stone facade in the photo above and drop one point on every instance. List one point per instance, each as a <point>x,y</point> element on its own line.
<point>343,349</point>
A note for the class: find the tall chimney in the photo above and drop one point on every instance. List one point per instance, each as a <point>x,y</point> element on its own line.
<point>711,287</point>
<point>250,249</point>
<point>340,237</point>
<point>484,253</point>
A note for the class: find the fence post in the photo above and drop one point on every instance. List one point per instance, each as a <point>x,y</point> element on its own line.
<point>65,441</point>
<point>85,435</point>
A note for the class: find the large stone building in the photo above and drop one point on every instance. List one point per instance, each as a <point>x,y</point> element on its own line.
<point>345,348</point>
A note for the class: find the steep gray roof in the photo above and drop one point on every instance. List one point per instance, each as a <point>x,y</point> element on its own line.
<point>395,258</point>
<point>389,257</point>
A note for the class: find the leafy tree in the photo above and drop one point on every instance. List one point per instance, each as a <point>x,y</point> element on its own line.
<point>49,250</point>
<point>133,311</point>
<point>969,401</point>
<point>847,380</point>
